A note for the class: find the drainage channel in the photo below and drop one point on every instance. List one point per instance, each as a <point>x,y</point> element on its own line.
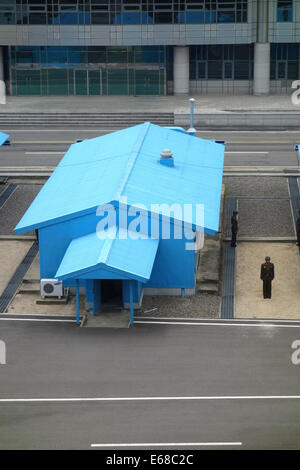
<point>295,196</point>
<point>7,193</point>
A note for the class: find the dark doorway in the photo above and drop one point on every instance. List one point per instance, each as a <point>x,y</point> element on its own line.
<point>111,292</point>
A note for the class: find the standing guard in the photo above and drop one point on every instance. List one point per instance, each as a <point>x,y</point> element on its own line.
<point>234,228</point>
<point>267,276</point>
<point>298,228</point>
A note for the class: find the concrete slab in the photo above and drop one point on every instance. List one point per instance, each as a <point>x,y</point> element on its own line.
<point>33,273</point>
<point>210,103</point>
<point>11,254</point>
<point>249,301</point>
<point>120,319</point>
<point>209,262</point>
<point>26,304</point>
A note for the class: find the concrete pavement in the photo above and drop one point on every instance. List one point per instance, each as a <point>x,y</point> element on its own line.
<point>148,361</point>
<point>36,147</point>
<point>178,104</point>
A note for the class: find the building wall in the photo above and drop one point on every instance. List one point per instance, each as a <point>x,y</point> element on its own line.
<point>115,25</point>
<point>174,266</point>
<point>148,27</point>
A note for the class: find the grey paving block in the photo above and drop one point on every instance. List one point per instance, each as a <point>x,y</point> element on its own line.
<point>265,218</point>
<point>256,186</point>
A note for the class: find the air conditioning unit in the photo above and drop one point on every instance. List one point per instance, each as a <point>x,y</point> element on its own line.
<point>51,288</point>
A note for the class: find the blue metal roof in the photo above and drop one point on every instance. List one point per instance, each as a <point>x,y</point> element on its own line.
<point>3,138</point>
<point>126,163</point>
<point>130,258</point>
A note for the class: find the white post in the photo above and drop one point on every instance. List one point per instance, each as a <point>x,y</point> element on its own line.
<point>2,83</point>
<point>191,130</point>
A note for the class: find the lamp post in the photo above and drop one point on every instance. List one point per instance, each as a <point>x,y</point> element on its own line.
<point>191,130</point>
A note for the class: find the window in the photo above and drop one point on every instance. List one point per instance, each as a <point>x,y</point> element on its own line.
<point>69,70</point>
<point>37,14</point>
<point>223,62</point>
<point>284,61</point>
<point>7,14</point>
<point>214,11</point>
<point>68,12</point>
<point>284,11</point>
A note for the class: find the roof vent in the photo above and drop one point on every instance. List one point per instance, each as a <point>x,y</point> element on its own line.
<point>166,157</point>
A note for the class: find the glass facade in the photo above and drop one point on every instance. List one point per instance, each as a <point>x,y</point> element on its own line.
<point>284,11</point>
<point>86,12</point>
<point>221,62</point>
<point>284,61</point>
<point>80,70</point>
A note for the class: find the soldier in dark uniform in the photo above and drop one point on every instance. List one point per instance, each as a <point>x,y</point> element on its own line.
<point>267,276</point>
<point>234,228</point>
<point>298,228</point>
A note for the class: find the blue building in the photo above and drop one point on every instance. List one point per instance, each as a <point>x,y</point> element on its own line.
<point>124,214</point>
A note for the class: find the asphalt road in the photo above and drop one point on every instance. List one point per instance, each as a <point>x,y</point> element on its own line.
<point>176,371</point>
<point>40,147</point>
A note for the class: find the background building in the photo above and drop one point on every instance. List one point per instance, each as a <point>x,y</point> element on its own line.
<point>140,47</point>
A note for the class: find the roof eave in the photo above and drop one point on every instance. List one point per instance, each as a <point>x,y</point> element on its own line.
<point>81,272</point>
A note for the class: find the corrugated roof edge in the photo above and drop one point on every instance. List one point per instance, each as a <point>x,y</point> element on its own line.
<point>103,264</point>
<point>95,268</point>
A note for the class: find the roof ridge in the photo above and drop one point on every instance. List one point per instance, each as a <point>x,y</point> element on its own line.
<point>135,152</point>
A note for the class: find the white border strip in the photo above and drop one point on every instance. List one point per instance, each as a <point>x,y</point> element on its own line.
<point>122,399</point>
<point>249,152</point>
<point>269,325</point>
<point>216,320</point>
<point>169,444</point>
<point>45,153</point>
<point>38,319</point>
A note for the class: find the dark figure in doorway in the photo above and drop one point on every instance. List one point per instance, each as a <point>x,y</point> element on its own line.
<point>267,276</point>
<point>234,228</point>
<point>285,15</point>
<point>298,228</point>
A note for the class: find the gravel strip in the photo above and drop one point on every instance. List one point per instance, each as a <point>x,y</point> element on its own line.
<point>265,218</point>
<point>256,186</point>
<point>197,306</point>
<point>15,207</point>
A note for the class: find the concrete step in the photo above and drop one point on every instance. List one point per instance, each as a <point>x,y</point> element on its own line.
<point>94,119</point>
<point>89,119</point>
<point>208,288</point>
<point>99,125</point>
<point>52,301</point>
<point>77,119</point>
<point>29,286</point>
<point>207,277</point>
<point>144,113</point>
<point>29,289</point>
<point>89,116</point>
<point>108,318</point>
